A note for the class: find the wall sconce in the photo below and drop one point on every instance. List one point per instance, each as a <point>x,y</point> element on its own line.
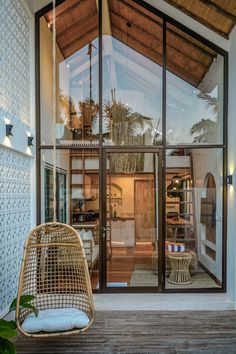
<point>229,179</point>
<point>9,130</point>
<point>30,141</point>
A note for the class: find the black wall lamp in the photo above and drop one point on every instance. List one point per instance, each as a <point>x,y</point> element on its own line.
<point>9,130</point>
<point>30,141</point>
<point>229,180</point>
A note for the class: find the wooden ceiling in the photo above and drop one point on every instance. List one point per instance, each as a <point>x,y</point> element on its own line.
<point>136,27</point>
<point>76,25</point>
<point>218,15</point>
<point>139,29</point>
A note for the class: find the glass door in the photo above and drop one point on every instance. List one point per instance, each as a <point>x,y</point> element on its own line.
<point>131,226</point>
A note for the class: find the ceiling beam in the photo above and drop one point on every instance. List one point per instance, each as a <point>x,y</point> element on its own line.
<point>159,23</point>
<point>78,39</point>
<point>76,24</point>
<point>197,18</point>
<point>159,38</point>
<point>219,9</point>
<point>66,12</point>
<point>157,58</point>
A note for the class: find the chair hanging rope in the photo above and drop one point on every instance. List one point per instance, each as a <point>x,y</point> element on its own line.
<point>54,113</point>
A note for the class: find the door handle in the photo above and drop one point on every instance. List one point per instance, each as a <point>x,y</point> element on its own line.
<point>104,231</point>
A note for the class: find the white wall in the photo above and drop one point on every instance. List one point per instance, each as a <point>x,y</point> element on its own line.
<point>17,165</point>
<point>46,82</point>
<point>204,162</point>
<point>231,246</point>
<point>36,5</point>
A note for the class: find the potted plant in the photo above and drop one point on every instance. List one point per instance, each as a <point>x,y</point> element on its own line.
<point>8,329</point>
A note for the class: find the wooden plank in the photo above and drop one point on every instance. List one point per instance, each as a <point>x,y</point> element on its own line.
<point>144,210</point>
<point>77,25</point>
<point>172,332</point>
<point>156,57</point>
<point>193,44</point>
<point>80,42</point>
<point>153,37</point>
<point>66,12</point>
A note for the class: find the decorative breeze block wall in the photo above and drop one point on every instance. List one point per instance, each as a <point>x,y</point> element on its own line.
<point>14,62</point>
<point>15,219</point>
<point>15,167</point>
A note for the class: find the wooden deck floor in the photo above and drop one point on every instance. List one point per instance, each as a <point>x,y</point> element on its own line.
<point>145,332</point>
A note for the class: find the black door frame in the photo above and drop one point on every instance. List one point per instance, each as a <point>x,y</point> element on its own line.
<point>103,222</point>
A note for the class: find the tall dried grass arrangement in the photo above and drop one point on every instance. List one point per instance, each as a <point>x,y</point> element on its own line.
<point>127,128</point>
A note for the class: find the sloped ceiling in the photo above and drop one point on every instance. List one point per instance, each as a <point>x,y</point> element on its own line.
<point>137,28</point>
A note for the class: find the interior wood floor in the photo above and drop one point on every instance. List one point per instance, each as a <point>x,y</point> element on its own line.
<point>141,332</point>
<point>123,262</point>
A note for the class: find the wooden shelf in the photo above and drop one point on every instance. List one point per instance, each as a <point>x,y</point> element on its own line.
<point>80,171</point>
<point>180,202</point>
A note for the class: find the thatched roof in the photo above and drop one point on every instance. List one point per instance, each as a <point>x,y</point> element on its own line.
<point>218,15</point>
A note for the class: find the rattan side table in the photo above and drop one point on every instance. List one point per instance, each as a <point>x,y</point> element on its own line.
<point>179,262</point>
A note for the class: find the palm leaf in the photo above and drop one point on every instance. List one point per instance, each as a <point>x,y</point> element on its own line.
<point>212,102</point>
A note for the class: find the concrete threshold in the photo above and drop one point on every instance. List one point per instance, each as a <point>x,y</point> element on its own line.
<point>163,302</point>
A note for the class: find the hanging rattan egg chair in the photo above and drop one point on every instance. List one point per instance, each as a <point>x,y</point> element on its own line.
<point>55,271</point>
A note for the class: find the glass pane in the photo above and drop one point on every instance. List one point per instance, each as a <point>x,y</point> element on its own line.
<point>194,202</point>
<point>194,91</point>
<point>77,73</point>
<point>132,219</point>
<point>77,197</point>
<point>132,74</point>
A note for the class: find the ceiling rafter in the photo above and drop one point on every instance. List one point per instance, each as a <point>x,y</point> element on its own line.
<point>75,40</point>
<point>139,28</point>
<point>67,11</point>
<point>184,39</point>
<point>157,57</point>
<point>77,24</point>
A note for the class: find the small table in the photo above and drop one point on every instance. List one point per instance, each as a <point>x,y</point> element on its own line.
<point>180,262</point>
<point>176,224</point>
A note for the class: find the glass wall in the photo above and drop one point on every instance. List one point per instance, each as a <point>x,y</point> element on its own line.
<point>154,209</point>
<point>194,213</point>
<point>76,73</point>
<point>132,75</point>
<point>132,188</point>
<point>77,197</point>
<point>194,102</point>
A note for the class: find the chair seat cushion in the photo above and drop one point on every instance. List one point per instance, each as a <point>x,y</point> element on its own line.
<point>55,320</point>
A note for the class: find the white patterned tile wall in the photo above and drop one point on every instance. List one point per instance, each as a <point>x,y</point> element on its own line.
<point>14,62</point>
<point>15,167</point>
<point>15,219</point>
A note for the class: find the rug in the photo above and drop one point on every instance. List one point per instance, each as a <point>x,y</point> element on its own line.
<point>143,275</point>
